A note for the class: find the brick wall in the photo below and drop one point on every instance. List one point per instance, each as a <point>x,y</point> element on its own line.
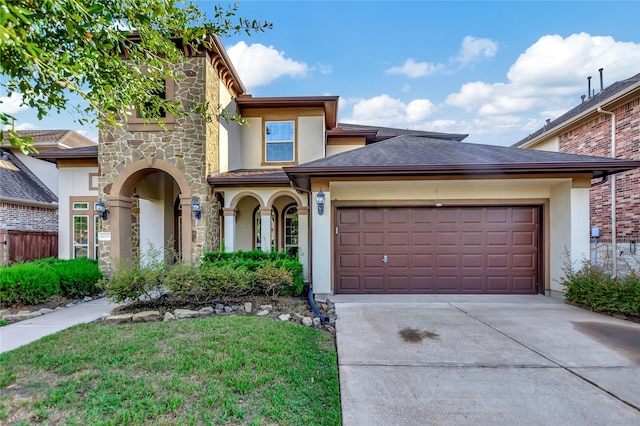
<point>28,218</point>
<point>594,138</point>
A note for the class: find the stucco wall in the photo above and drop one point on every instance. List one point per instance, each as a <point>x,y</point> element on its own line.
<point>74,181</point>
<point>45,171</point>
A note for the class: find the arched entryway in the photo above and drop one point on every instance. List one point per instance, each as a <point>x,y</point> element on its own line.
<point>142,209</point>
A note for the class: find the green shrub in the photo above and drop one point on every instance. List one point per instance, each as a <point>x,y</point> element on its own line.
<point>183,280</point>
<point>131,281</point>
<point>220,282</point>
<point>27,284</point>
<point>273,280</point>
<point>255,255</point>
<point>78,277</point>
<point>592,288</point>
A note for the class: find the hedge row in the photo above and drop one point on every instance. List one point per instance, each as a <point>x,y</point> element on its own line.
<point>592,288</point>
<point>38,281</point>
<point>220,276</point>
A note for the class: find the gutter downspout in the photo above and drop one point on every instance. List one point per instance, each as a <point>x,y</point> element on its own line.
<point>310,298</point>
<point>614,244</point>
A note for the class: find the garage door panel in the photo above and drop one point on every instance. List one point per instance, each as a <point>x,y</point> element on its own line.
<point>447,238</point>
<point>373,217</point>
<point>373,239</point>
<point>399,239</point>
<point>349,239</point>
<point>419,238</point>
<point>437,250</point>
<point>373,283</point>
<point>349,261</point>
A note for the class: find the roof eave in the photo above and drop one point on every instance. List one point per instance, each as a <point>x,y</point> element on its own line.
<point>301,175</point>
<point>225,182</point>
<point>580,117</point>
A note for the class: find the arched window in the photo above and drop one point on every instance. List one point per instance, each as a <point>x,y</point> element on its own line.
<point>290,221</point>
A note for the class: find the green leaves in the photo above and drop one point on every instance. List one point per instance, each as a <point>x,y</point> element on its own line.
<point>53,48</point>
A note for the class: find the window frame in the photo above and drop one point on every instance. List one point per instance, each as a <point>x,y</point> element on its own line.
<point>293,142</point>
<point>76,209</point>
<point>136,123</point>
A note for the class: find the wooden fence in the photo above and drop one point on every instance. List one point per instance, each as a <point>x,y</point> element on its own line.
<point>30,245</point>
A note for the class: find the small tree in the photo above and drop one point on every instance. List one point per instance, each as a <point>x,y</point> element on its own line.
<point>50,49</point>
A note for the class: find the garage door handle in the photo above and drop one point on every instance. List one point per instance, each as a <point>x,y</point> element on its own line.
<point>385,259</point>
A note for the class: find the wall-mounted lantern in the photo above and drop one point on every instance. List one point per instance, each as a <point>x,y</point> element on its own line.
<point>102,210</point>
<point>197,209</point>
<point>320,202</point>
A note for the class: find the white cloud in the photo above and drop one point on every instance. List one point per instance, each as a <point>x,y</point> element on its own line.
<point>386,111</point>
<point>413,69</point>
<point>259,65</point>
<point>21,126</point>
<point>325,69</point>
<point>12,104</point>
<point>473,49</point>
<point>547,72</point>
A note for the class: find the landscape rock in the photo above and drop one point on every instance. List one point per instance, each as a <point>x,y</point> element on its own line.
<point>266,307</point>
<point>248,307</point>
<point>206,311</point>
<point>146,316</point>
<point>118,319</point>
<point>307,321</point>
<point>24,312</point>
<point>284,317</point>
<point>169,317</point>
<point>235,308</point>
<point>298,316</point>
<point>317,322</point>
<point>68,305</point>
<point>17,317</point>
<point>46,311</point>
<point>228,309</point>
<point>263,313</point>
<point>4,312</point>
<point>185,313</point>
<point>219,311</point>
<point>219,306</point>
<point>87,299</point>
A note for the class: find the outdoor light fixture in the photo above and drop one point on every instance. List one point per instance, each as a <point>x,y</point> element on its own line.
<point>197,210</point>
<point>320,202</point>
<point>101,209</point>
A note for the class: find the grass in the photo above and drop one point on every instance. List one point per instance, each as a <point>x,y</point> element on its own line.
<point>219,370</point>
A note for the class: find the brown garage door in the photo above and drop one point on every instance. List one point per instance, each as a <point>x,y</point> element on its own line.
<point>437,250</point>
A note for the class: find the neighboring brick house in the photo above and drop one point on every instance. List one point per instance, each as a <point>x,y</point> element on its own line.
<point>29,196</point>
<point>587,129</point>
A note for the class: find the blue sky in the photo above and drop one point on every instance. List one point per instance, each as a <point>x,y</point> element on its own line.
<point>495,70</point>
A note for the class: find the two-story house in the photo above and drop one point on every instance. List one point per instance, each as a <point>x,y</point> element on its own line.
<point>367,209</point>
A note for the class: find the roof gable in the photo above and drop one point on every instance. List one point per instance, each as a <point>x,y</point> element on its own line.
<point>20,185</point>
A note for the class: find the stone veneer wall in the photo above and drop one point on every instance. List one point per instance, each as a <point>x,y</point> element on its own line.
<point>594,138</point>
<point>185,146</point>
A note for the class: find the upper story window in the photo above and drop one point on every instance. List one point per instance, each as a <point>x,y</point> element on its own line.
<point>279,141</point>
<point>137,121</point>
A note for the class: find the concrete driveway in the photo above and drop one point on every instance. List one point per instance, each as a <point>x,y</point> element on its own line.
<point>484,360</point>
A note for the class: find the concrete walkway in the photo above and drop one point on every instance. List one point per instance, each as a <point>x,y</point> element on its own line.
<point>476,360</point>
<point>20,333</point>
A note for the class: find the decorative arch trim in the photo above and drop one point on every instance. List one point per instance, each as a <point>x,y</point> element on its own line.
<point>289,194</point>
<point>241,195</point>
<point>125,182</point>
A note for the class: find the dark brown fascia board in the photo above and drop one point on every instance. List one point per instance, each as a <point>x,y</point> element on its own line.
<point>369,135</point>
<point>329,103</point>
<point>301,175</point>
<point>219,182</point>
<point>65,156</point>
<point>611,102</point>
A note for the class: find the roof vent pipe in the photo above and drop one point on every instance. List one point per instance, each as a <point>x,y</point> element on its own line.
<point>589,86</point>
<point>582,97</point>
<point>601,81</point>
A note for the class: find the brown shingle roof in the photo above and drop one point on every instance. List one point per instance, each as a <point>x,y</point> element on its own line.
<point>255,177</point>
<point>411,155</point>
<point>18,183</point>
<point>54,138</point>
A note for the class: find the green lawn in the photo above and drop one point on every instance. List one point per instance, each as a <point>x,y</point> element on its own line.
<point>218,370</point>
